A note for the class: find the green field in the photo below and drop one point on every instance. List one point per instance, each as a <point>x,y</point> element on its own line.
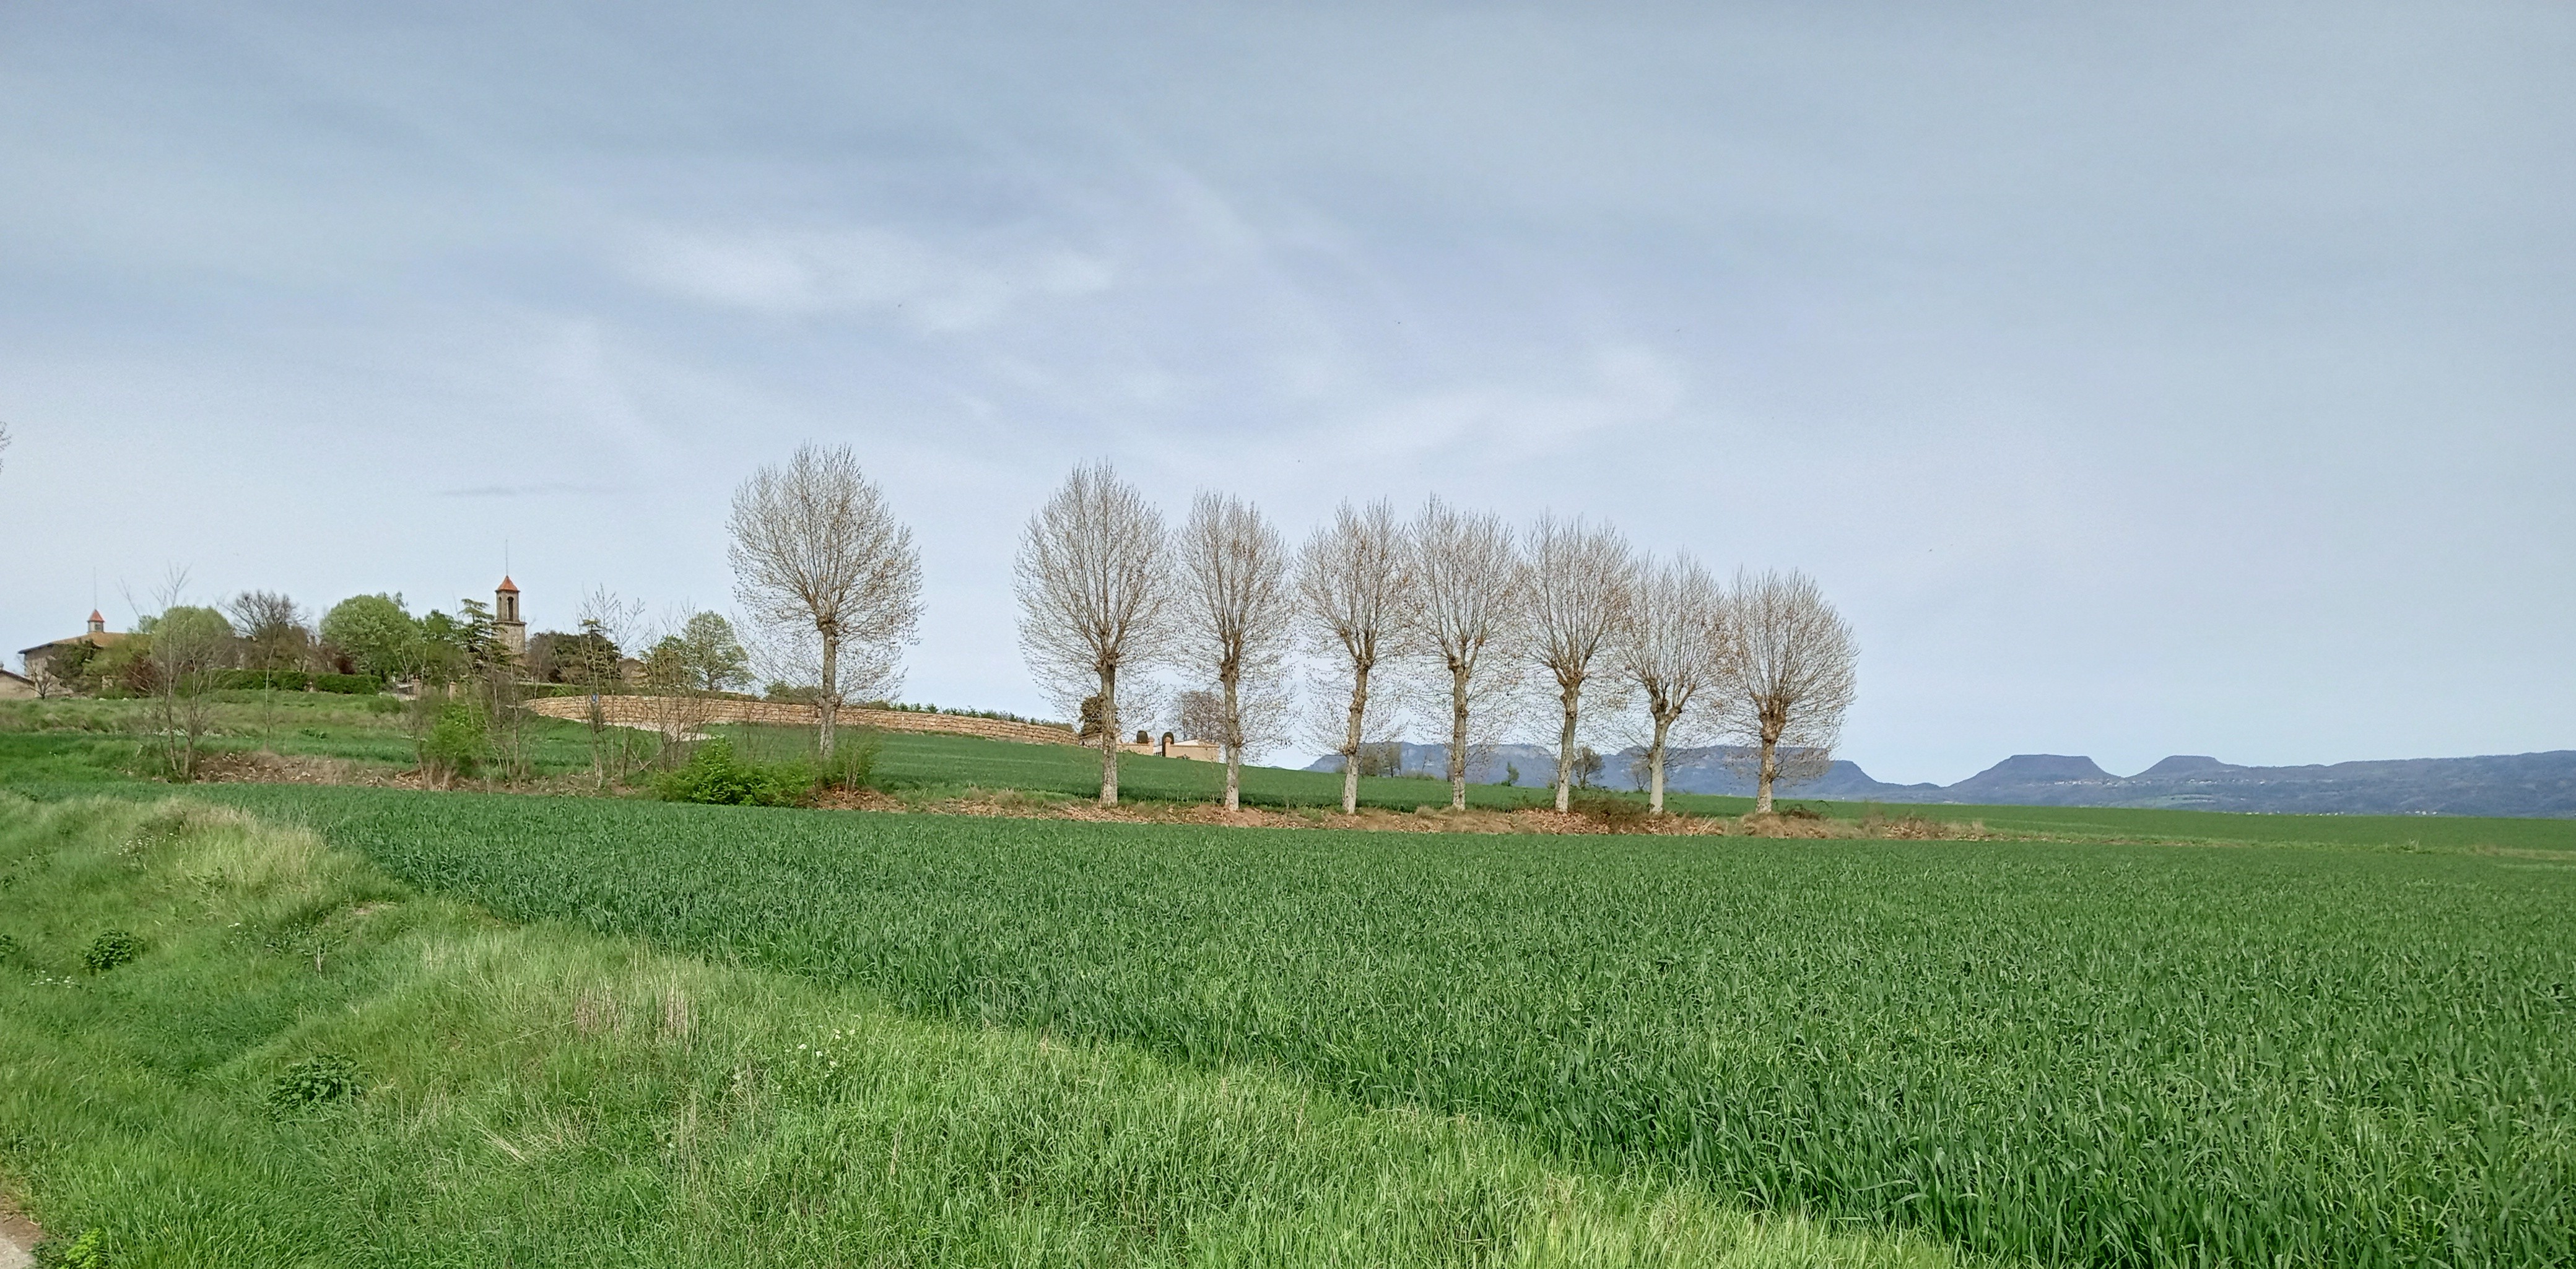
<point>2311,1039</point>
<point>541,1095</point>
<point>2069,1053</point>
<point>52,745</point>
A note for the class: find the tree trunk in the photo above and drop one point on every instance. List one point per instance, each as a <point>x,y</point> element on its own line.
<point>1770,768</point>
<point>1565,750</point>
<point>1655,767</point>
<point>1457,739</point>
<point>1351,741</point>
<point>1109,737</point>
<point>1233,747</point>
<point>827,704</point>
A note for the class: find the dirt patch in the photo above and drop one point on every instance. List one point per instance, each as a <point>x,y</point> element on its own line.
<point>1013,804</point>
<point>260,767</point>
<point>18,1237</point>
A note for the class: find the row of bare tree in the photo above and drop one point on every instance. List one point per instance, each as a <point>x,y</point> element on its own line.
<point>1450,613</point>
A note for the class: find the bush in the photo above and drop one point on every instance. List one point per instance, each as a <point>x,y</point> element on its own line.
<point>109,950</point>
<point>8,947</point>
<point>1613,811</point>
<point>315,1081</point>
<point>348,684</point>
<point>853,761</point>
<point>715,776</point>
<point>456,745</point>
<point>258,680</point>
<point>89,1251</point>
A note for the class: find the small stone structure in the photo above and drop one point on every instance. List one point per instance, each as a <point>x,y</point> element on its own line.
<point>1171,747</point>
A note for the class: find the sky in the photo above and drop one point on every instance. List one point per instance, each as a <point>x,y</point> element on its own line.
<point>2137,379</point>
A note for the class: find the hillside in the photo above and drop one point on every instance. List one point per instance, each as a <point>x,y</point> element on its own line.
<point>2532,784</point>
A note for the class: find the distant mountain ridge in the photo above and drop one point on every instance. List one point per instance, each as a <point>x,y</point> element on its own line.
<point>2527,785</point>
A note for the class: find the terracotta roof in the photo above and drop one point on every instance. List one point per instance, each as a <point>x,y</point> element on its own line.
<point>103,639</point>
<point>93,616</point>
<point>506,584</point>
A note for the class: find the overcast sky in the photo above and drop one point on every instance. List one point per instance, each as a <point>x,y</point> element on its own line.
<point>2138,379</point>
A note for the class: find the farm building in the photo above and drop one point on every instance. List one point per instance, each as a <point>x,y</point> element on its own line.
<point>39,659</point>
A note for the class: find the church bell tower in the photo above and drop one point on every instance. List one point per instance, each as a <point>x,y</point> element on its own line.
<point>506,625</point>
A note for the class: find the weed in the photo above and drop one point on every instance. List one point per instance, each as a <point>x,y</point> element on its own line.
<point>89,1251</point>
<point>316,1081</point>
<point>109,950</point>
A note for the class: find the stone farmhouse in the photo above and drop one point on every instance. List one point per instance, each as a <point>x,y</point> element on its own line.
<point>39,659</point>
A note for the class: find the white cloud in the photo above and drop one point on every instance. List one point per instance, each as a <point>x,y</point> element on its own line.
<point>859,270</point>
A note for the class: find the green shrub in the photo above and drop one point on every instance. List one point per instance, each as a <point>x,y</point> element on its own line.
<point>8,947</point>
<point>256,680</point>
<point>315,1081</point>
<point>109,950</point>
<point>714,775</point>
<point>89,1251</point>
<point>457,744</point>
<point>348,684</point>
<point>853,760</point>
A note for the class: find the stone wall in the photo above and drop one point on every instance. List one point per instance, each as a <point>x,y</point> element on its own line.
<point>657,712</point>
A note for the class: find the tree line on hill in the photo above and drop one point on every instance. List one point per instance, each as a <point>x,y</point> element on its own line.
<point>1451,614</point>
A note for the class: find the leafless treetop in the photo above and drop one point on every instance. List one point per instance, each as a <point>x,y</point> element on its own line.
<point>1677,649</point>
<point>816,546</point>
<point>1092,583</point>
<point>1796,663</point>
<point>1578,579</point>
<point>1466,593</point>
<point>1353,575</point>
<point>1234,589</point>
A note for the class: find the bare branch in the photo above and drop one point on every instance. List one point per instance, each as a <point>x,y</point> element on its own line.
<point>1093,583</point>
<point>1676,651</point>
<point>1466,613</point>
<point>1795,661</point>
<point>815,548</point>
<point>1356,578</point>
<point>1235,613</point>
<point>1577,578</point>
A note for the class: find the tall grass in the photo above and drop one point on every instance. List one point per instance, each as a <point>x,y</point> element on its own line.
<point>309,1064</point>
<point>2073,1054</point>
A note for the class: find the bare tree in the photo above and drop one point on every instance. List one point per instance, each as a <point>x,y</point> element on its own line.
<point>273,637</point>
<point>1094,589</point>
<point>816,548</point>
<point>595,661</point>
<point>1234,612</point>
<point>185,645</point>
<point>1465,609</point>
<point>1355,575</point>
<point>1576,579</point>
<point>1795,661</point>
<point>1676,651</point>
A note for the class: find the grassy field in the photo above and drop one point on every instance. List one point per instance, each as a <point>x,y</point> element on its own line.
<point>2301,1039</point>
<point>56,744</point>
<point>2067,1053</point>
<point>310,1064</point>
